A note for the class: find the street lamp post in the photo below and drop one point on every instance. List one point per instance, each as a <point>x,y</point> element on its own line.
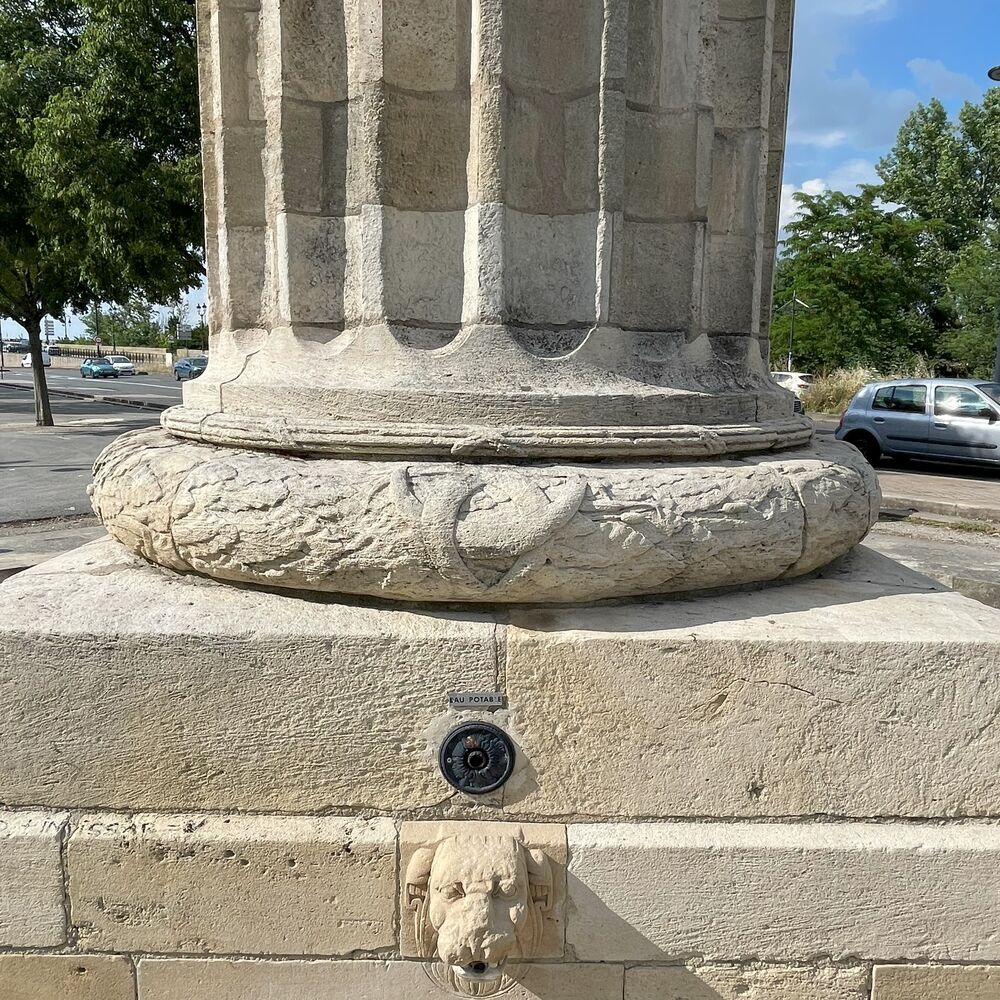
<point>795,302</point>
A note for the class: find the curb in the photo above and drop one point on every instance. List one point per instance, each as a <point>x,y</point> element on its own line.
<point>139,404</point>
<point>967,511</point>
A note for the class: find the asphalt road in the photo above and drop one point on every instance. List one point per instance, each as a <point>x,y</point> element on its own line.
<point>161,389</point>
<point>44,471</point>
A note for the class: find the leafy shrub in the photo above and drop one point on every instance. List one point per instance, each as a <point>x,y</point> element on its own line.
<point>831,393</point>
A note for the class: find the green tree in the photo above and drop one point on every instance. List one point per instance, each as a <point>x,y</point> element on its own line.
<point>973,345</point>
<point>100,194</point>
<point>864,270</point>
<point>132,325</point>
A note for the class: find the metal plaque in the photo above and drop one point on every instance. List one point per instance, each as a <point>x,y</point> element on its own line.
<point>486,701</point>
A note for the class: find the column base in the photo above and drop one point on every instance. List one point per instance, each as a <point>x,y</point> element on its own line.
<point>482,532</point>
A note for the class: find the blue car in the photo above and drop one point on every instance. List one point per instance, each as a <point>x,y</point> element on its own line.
<point>98,368</point>
<point>188,368</point>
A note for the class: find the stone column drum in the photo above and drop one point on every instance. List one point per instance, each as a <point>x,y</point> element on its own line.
<point>489,294</point>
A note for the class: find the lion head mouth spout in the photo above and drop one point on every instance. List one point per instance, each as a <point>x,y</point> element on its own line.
<point>479,979</point>
<point>478,900</point>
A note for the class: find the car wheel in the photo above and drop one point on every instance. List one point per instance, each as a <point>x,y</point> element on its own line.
<point>868,447</point>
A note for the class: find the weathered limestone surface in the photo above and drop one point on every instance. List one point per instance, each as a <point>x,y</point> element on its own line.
<point>913,982</point>
<point>233,885</point>
<point>790,892</point>
<point>66,977</point>
<point>729,982</point>
<point>214,697</point>
<point>867,692</point>
<point>32,913</point>
<point>234,980</point>
<point>567,211</point>
<point>559,533</point>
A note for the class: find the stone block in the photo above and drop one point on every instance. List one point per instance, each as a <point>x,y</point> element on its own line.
<point>787,892</point>
<point>311,257</point>
<point>738,85</point>
<point>303,147</point>
<point>862,693</point>
<point>552,154</point>
<point>668,160</point>
<point>423,43</point>
<point>242,174</point>
<point>211,696</point>
<point>233,884</point>
<point>550,267</point>
<point>32,907</point>
<point>66,977</point>
<point>667,47</point>
<point>736,982</point>
<point>739,165</point>
<point>185,979</point>
<point>426,150</point>
<point>235,96</point>
<point>731,302</point>
<point>928,982</point>
<point>552,45</point>
<point>423,275</point>
<point>653,275</point>
<point>242,275</point>
<point>549,838</point>
<point>314,50</point>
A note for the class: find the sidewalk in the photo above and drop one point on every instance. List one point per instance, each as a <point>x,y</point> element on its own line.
<point>974,496</point>
<point>27,544</point>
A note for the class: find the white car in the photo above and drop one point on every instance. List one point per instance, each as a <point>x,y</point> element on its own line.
<point>796,382</point>
<point>123,365</point>
<point>46,360</point>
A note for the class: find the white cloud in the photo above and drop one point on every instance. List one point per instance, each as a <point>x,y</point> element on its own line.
<point>943,83</point>
<point>847,177</point>
<point>831,108</point>
<point>790,208</point>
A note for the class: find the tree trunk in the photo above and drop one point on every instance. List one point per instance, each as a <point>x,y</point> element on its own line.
<point>43,411</point>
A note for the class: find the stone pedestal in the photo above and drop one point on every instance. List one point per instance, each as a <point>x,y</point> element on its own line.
<point>774,794</point>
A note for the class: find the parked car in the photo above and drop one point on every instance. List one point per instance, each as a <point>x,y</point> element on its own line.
<point>796,382</point>
<point>46,360</point>
<point>945,419</point>
<point>98,368</point>
<point>122,364</point>
<point>188,368</point>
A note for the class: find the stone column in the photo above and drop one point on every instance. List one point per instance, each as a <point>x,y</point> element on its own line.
<point>452,242</point>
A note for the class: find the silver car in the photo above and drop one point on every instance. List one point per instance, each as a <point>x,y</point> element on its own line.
<point>943,419</point>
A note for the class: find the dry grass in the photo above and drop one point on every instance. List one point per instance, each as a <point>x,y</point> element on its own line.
<point>831,393</point>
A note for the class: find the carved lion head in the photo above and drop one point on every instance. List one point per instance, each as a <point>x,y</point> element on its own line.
<point>478,901</point>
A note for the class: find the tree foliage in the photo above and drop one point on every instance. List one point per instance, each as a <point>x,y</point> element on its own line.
<point>908,266</point>
<point>864,273</point>
<point>100,194</point>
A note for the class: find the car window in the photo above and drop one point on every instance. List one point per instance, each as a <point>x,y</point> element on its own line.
<point>992,389</point>
<point>910,398</point>
<point>883,399</point>
<point>954,401</point>
<point>198,362</point>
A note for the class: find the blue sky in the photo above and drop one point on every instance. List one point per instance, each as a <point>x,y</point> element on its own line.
<point>860,66</point>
